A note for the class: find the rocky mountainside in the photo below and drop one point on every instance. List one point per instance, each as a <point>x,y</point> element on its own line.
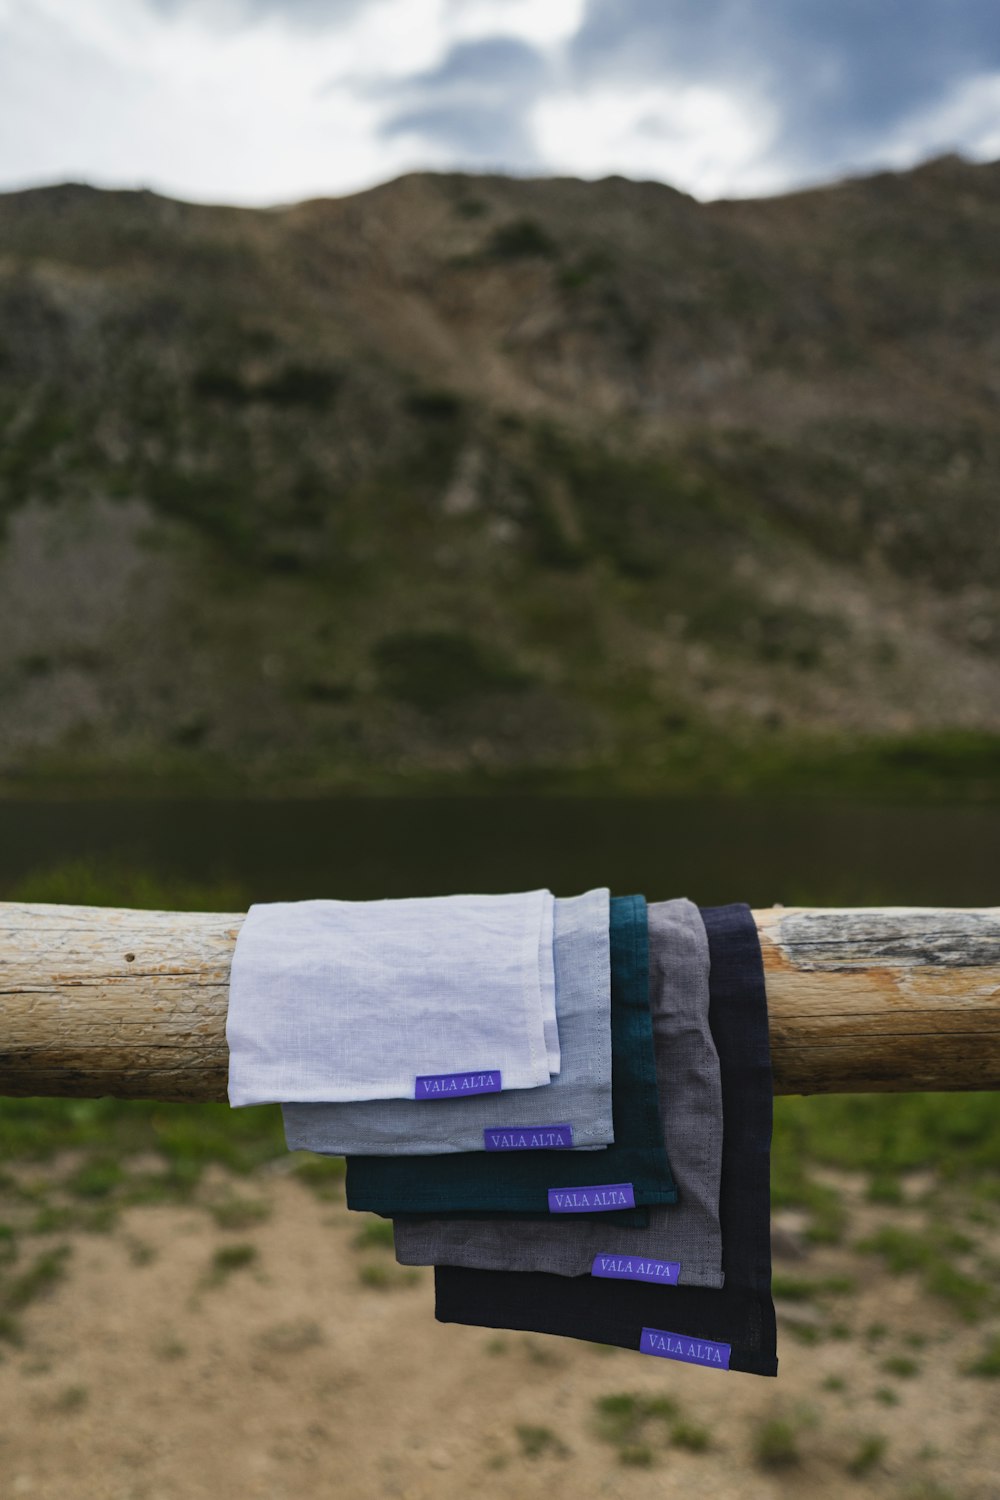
<point>466,475</point>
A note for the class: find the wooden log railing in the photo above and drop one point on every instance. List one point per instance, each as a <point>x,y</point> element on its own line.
<point>97,1001</point>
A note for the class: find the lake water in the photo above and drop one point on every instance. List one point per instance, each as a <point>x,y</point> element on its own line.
<point>804,852</point>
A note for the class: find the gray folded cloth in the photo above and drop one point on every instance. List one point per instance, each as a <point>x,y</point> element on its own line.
<point>690,1095</point>
<point>578,1099</point>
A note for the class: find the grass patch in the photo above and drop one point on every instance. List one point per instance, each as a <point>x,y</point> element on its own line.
<point>112,882</point>
<point>382,1278</point>
<point>805,1333</point>
<point>188,1137</point>
<point>73,1398</point>
<point>869,1452</point>
<point>776,1444</point>
<point>969,1296</point>
<point>291,1338</point>
<point>230,1258</point>
<point>792,1186</point>
<point>901,1365</point>
<point>637,1456</point>
<point>899,1248</point>
<point>375,1234</point>
<point>636,1424</point>
<point>239,1213</point>
<point>53,1218</point>
<point>929,1253</point>
<point>170,1349</point>
<point>987,1364</point>
<point>690,1435</point>
<point>19,1290</point>
<point>10,1330</point>
<point>886,1189</point>
<point>40,1278</point>
<point>624,1416</point>
<point>539,1442</point>
<point>806,1289</point>
<point>141,1254</point>
<point>958,1134</point>
<point>97,1178</point>
<point>323,1174</point>
<point>540,1353</point>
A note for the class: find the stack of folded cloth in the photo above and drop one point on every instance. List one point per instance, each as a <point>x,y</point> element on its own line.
<point>563,1104</point>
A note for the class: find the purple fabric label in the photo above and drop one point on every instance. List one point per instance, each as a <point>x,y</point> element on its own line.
<point>682,1346</point>
<point>528,1138</point>
<point>591,1200</point>
<point>455,1085</point>
<point>637,1268</point>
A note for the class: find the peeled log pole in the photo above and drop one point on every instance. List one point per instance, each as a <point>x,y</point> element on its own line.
<point>97,1001</point>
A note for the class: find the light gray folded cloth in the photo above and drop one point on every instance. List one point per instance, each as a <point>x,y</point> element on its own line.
<point>690,1093</point>
<point>573,1111</point>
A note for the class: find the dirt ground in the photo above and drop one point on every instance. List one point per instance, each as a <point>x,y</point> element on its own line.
<point>261,1344</point>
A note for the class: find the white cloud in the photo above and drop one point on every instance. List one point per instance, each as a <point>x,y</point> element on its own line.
<point>544,23</point>
<point>702,140</point>
<point>126,96</point>
<point>228,100</point>
<point>967,120</point>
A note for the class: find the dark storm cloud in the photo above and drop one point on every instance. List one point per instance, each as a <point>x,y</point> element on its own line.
<point>840,74</point>
<point>475,102</point>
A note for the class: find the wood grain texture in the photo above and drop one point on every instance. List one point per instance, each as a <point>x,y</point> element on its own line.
<point>97,1001</point>
<point>882,999</point>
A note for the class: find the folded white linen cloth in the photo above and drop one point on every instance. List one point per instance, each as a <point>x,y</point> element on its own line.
<point>574,1112</point>
<point>429,998</point>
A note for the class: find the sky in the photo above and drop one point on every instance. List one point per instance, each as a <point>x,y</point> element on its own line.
<point>271,101</point>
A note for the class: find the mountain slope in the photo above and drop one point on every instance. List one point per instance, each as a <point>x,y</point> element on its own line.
<point>471,474</point>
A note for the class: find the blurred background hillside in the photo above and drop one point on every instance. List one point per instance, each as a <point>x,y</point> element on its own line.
<point>468,479</point>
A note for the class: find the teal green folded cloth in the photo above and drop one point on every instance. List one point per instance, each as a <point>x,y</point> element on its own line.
<point>519,1182</point>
